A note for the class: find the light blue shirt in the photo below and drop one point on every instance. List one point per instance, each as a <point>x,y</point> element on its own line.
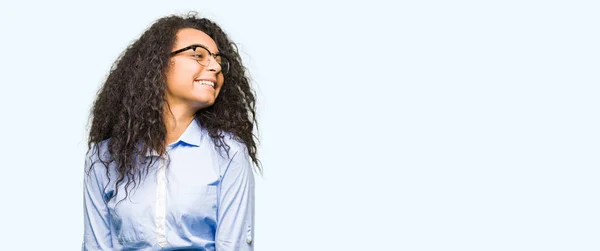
<point>197,198</point>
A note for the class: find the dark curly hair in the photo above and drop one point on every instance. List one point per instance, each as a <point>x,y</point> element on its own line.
<point>129,106</point>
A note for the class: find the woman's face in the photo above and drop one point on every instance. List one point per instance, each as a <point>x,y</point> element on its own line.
<point>189,82</point>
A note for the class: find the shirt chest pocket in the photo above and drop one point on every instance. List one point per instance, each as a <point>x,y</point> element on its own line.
<point>195,198</point>
<point>195,210</point>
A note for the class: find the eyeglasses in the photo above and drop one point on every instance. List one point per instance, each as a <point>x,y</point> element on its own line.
<point>203,56</point>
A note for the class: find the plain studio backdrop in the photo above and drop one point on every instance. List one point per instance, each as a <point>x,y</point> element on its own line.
<point>407,125</point>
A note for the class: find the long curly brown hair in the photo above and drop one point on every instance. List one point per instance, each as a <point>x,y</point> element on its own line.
<point>129,106</point>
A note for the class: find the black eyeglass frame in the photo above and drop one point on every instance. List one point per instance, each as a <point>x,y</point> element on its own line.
<point>213,55</point>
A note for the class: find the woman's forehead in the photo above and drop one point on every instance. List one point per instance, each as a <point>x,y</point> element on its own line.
<point>189,36</point>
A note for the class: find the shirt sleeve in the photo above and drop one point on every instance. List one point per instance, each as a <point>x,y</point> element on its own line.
<point>96,219</point>
<point>235,214</point>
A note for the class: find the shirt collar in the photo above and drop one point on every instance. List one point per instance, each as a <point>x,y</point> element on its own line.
<point>191,136</point>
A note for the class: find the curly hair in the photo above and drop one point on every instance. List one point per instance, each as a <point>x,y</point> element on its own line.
<point>129,105</point>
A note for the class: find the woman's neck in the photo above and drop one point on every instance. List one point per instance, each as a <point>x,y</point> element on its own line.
<point>177,119</point>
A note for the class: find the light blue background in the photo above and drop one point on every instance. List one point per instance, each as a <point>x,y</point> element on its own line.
<point>414,125</point>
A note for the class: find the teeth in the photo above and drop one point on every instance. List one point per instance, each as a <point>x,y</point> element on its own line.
<point>204,82</point>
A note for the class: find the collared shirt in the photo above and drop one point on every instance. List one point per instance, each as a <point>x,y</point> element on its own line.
<point>196,198</point>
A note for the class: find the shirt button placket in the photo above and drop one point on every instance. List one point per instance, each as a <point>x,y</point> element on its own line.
<point>160,218</point>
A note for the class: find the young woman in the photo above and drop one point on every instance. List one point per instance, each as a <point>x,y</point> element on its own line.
<point>171,145</point>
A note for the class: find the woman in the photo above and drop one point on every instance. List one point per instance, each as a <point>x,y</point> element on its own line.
<point>171,146</point>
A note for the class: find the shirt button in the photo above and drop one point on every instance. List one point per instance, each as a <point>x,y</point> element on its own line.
<point>249,240</point>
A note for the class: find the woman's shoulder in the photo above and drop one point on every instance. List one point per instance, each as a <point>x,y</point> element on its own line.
<point>233,156</point>
<point>97,157</point>
<point>233,145</point>
<point>98,151</point>
<point>228,147</point>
